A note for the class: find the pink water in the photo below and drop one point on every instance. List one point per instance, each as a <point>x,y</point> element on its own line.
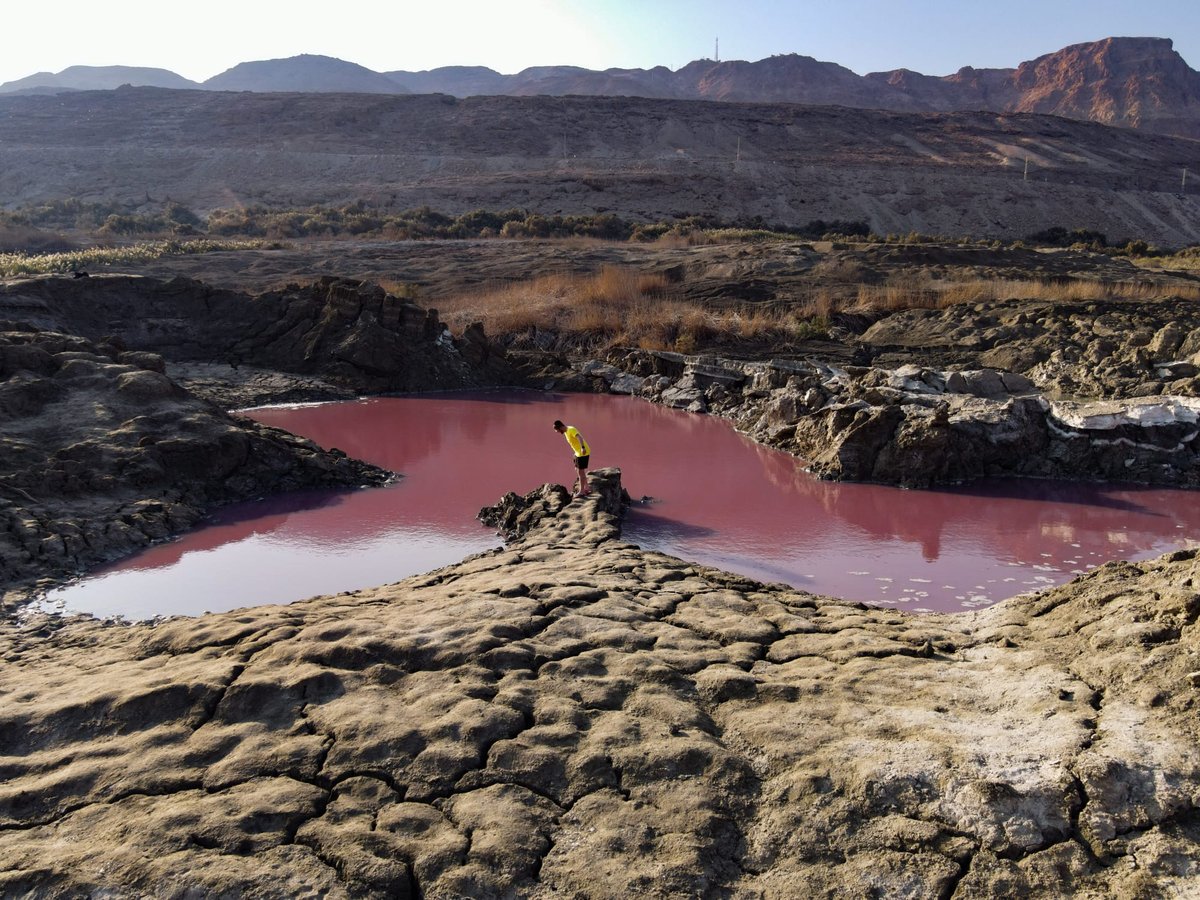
<point>719,499</point>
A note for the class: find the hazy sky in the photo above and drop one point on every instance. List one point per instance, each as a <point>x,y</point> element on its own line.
<point>201,39</point>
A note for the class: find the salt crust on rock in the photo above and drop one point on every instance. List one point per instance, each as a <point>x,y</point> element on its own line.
<point>572,716</point>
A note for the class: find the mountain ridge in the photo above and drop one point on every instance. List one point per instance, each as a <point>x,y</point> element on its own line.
<point>98,78</point>
<point>306,73</point>
<point>1132,82</point>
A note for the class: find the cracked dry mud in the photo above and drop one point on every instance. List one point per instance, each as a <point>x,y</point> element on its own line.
<point>570,716</point>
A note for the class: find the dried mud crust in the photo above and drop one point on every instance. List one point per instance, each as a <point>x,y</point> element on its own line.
<point>572,716</point>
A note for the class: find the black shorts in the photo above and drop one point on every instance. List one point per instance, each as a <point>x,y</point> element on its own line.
<point>581,462</point>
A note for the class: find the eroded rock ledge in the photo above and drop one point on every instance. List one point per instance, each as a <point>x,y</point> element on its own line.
<point>102,454</point>
<point>916,426</point>
<point>573,716</point>
<point>335,336</point>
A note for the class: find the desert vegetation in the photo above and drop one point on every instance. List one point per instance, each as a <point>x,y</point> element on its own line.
<point>612,305</point>
<point>616,306</point>
<point>57,224</point>
<point>12,264</point>
<point>359,220</point>
<point>923,291</point>
<point>619,307</point>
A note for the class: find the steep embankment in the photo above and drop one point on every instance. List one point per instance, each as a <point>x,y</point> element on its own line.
<point>953,173</point>
<point>341,333</point>
<point>573,716</point>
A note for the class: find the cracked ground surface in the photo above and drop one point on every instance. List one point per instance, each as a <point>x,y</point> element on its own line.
<point>571,716</point>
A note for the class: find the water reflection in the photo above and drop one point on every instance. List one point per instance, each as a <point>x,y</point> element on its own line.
<point>718,499</point>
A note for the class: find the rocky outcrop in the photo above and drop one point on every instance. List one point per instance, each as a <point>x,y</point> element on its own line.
<point>572,716</point>
<point>522,518</point>
<point>1070,349</point>
<point>101,454</point>
<point>918,427</point>
<point>351,334</point>
<point>1134,82</point>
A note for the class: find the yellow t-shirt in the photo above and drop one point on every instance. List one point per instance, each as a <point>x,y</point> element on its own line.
<point>575,439</point>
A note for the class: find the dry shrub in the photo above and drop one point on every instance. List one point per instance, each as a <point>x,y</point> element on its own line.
<point>621,306</point>
<point>653,285</point>
<point>696,328</point>
<point>754,323</point>
<point>15,264</point>
<point>405,290</point>
<point>599,305</point>
<point>824,302</point>
<point>965,292</point>
<point>595,319</point>
<point>927,293</point>
<point>673,241</point>
<point>612,285</point>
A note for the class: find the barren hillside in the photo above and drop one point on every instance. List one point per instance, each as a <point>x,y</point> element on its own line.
<point>952,173</point>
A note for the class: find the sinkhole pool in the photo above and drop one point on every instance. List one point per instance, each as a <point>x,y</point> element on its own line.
<point>718,499</point>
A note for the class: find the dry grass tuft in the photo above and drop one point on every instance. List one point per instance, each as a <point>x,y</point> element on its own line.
<point>930,293</point>
<point>616,306</point>
<point>612,306</point>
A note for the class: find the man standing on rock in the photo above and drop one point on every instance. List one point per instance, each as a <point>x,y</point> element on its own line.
<point>583,454</point>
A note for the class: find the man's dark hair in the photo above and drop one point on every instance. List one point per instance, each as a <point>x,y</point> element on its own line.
<point>558,425</point>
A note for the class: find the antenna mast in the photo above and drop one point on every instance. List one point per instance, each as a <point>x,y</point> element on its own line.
<point>716,49</point>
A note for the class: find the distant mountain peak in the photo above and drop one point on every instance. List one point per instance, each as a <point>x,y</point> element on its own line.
<point>97,78</point>
<point>1138,82</point>
<point>1130,81</point>
<point>308,73</point>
